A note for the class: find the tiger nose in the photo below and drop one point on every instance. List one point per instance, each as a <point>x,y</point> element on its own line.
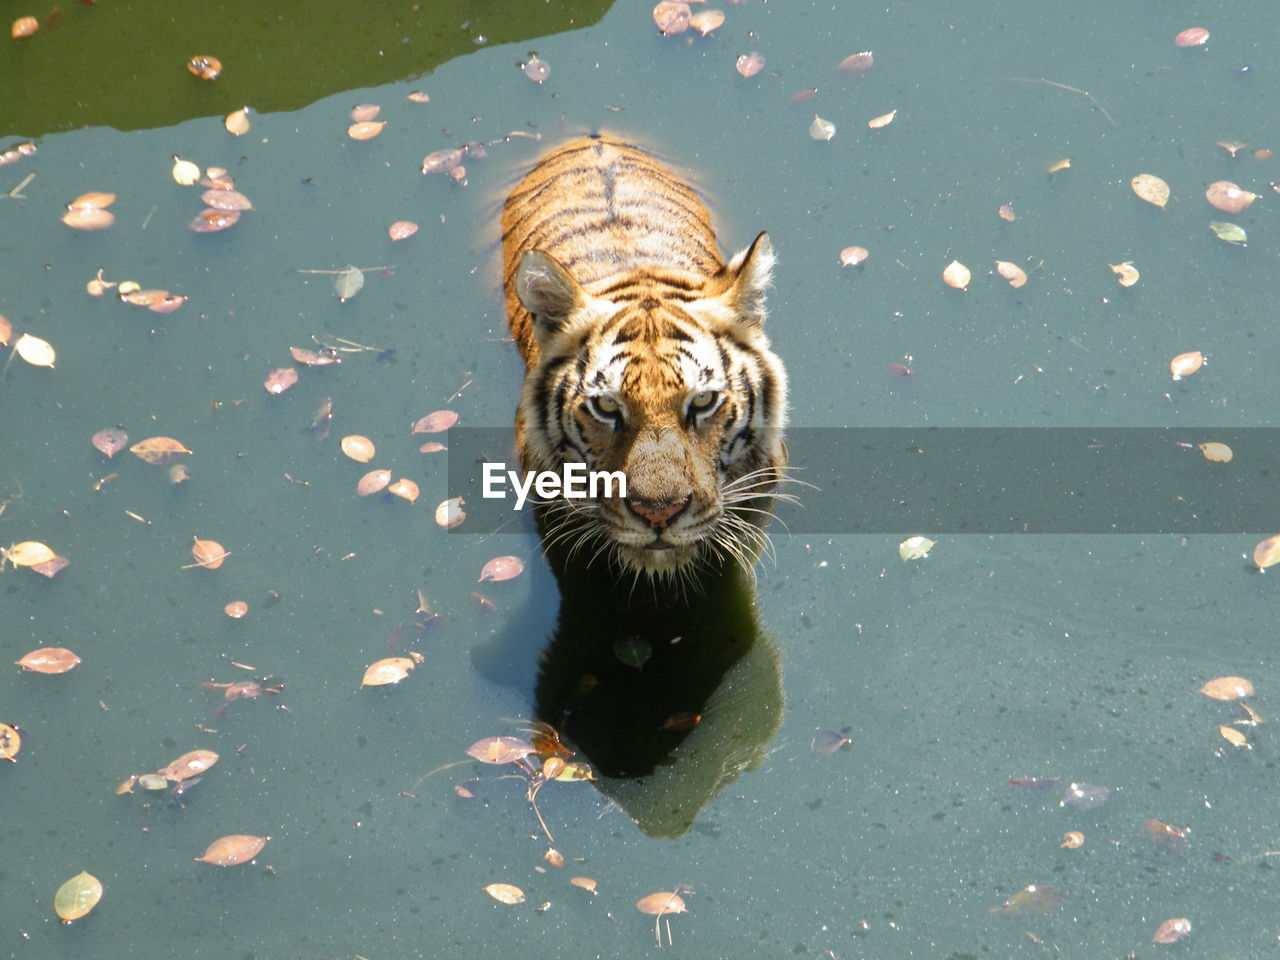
<point>657,513</point>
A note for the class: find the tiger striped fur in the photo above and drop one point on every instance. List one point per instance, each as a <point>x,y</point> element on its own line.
<point>645,353</point>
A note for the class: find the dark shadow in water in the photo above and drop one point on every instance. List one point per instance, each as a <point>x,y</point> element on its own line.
<point>706,657</point>
<point>122,63</point>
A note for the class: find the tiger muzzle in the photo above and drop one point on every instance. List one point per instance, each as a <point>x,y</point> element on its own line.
<point>658,514</point>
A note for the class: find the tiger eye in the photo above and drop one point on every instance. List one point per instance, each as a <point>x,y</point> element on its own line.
<point>703,399</point>
<point>607,405</point>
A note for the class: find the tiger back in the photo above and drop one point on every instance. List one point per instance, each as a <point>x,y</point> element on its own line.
<point>645,353</point>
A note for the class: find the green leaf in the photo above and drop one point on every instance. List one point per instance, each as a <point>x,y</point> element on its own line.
<point>349,283</point>
<point>1230,232</point>
<point>634,652</point>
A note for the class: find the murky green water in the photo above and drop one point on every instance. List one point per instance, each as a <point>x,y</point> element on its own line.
<point>996,657</point>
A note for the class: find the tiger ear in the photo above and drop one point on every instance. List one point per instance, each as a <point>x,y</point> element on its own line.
<point>749,276</point>
<point>547,291</point>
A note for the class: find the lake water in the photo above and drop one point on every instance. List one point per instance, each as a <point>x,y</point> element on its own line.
<point>997,657</point>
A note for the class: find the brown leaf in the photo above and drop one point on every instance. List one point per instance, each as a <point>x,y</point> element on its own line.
<point>437,421</point>
<point>501,568</point>
<point>208,553</point>
<point>48,660</point>
<point>661,903</point>
<point>280,380</point>
<point>190,764</point>
<point>234,849</point>
<point>160,451</point>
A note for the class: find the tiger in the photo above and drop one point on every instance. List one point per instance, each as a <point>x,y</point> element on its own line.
<point>644,353</point>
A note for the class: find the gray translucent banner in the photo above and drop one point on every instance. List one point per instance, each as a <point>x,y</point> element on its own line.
<point>980,480</point>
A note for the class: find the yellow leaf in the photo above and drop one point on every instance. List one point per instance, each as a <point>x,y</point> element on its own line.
<point>29,553</point>
<point>159,450</point>
<point>1233,736</point>
<point>77,896</point>
<point>1151,189</point>
<point>505,892</point>
<point>37,352</point>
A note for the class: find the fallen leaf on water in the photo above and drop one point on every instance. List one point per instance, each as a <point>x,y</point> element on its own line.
<point>437,421</point>
<point>402,230</point>
<point>51,567</point>
<point>441,161</point>
<point>92,218</point>
<point>1229,233</point>
<point>671,17</point>
<point>685,720</point>
<point>362,112</point>
<point>348,283</point>
<point>358,448</point>
<point>417,96</point>
<point>373,482</point>
<point>1151,189</point>
<point>662,903</point>
<point>1267,552</point>
<point>1185,364</point>
<point>237,122</point>
<point>404,489</point>
<point>1033,783</point>
<point>1171,931</point>
<point>205,67</point>
<point>365,129</point>
<point>706,21</point>
<point>97,200</point>
<point>634,652</point>
<point>1035,898</point>
<point>852,256</point>
<point>236,609</point>
<point>505,892</point>
<point>449,513</point>
<point>1166,836</point>
<point>432,446</point>
<point>48,660</point>
<point>584,883</point>
<point>1191,37</point>
<point>389,670</point>
<point>536,69</point>
<point>1005,212</point>
<point>1126,273</point>
<point>1072,840</point>
<point>1228,688</point>
<point>184,172</point>
<point>956,275</point>
<point>1085,796</point>
<point>553,856</point>
<point>212,221</point>
<point>821,129</point>
<point>77,896</point>
<point>160,451</point>
<point>6,332</point>
<point>916,548</point>
<point>749,64</point>
<point>1010,271</point>
<point>37,352</point>
<point>280,380</point>
<point>1233,736</point>
<point>1217,452</point>
<point>208,553</point>
<point>231,850</point>
<point>1232,146</point>
<point>828,741</point>
<point>1063,164</point>
<point>1228,197</point>
<point>500,750</point>
<point>856,64</point>
<point>28,553</point>
<point>501,568</point>
<point>190,764</point>
<point>882,121</point>
<point>10,742</point>
<point>24,27</point>
<point>313,358</point>
<point>226,200</point>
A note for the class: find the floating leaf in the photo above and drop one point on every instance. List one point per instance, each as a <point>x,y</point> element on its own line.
<point>206,68</point>
<point>190,764</point>
<point>505,892</point>
<point>1173,930</point>
<point>706,21</point>
<point>671,17</point>
<point>432,446</point>
<point>1228,688</point>
<point>358,448</point>
<point>37,352</point>
<point>1085,796</point>
<point>365,111</point>
<point>1229,232</point>
<point>661,903</point>
<point>1191,37</point>
<point>208,553</point>
<point>1005,212</point>
<point>388,670</point>
<point>226,200</point>
<point>441,161</point>
<point>1151,189</point>
<point>852,256</point>
<point>48,660</point>
<point>92,201</point>
<point>6,332</point>
<point>77,896</point>
<point>828,741</point>
<point>10,742</point>
<point>1072,840</point>
<point>1228,197</point>
<point>1016,276</point>
<point>501,568</point>
<point>280,380</point>
<point>404,489</point>
<point>500,750</point>
<point>1232,146</point>
<point>231,850</point>
<point>536,69</point>
<point>437,421</point>
<point>1165,835</point>
<point>1217,452</point>
<point>584,883</point>
<point>1185,364</point>
<point>882,121</point>
<point>821,129</point>
<point>348,283</point>
<point>51,567</point>
<point>1033,783</point>
<point>1267,553</point>
<point>402,230</point>
<point>1233,736</point>
<point>856,64</point>
<point>313,358</point>
<point>1035,898</point>
<point>685,720</point>
<point>185,173</point>
<point>28,553</point>
<point>91,218</point>
<point>956,275</point>
<point>449,513</point>
<point>749,64</point>
<point>153,781</point>
<point>373,482</point>
<point>1060,165</point>
<point>365,129</point>
<point>634,652</point>
<point>236,609</point>
<point>916,548</point>
<point>212,221</point>
<point>1126,273</point>
<point>237,122</point>
<point>24,27</point>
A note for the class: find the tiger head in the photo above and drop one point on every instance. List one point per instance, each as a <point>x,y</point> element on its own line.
<point>671,381</point>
